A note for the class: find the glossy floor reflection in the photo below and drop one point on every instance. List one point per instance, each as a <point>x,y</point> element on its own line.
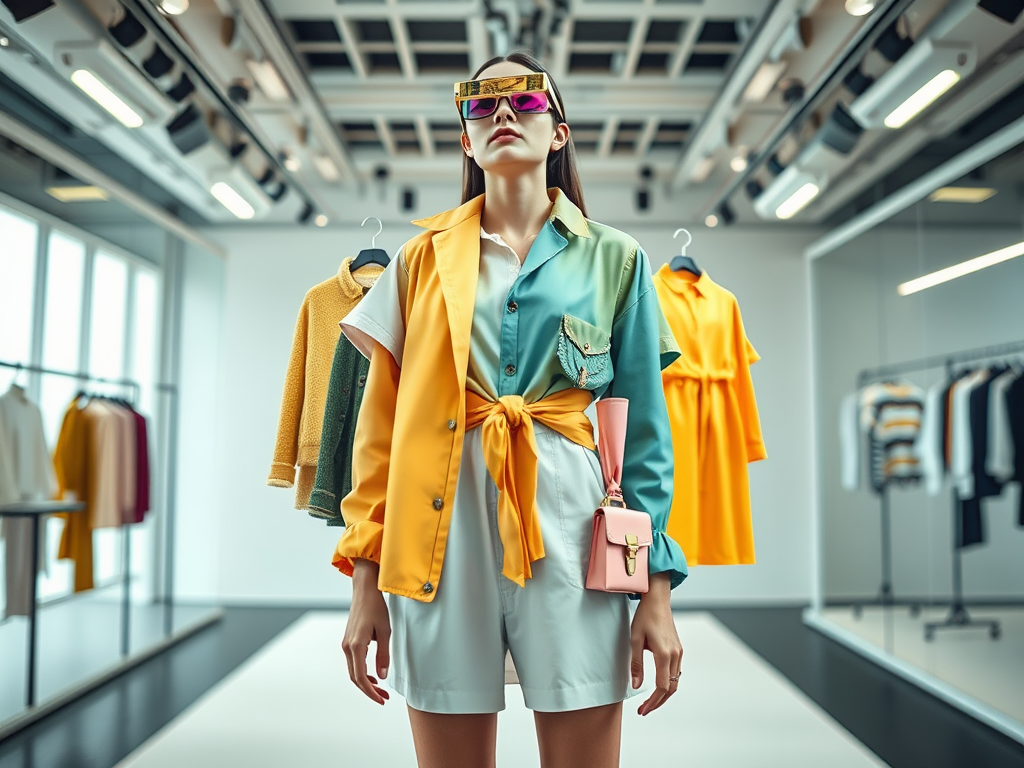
<point>991,671</point>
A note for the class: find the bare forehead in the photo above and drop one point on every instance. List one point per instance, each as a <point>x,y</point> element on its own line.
<point>502,68</point>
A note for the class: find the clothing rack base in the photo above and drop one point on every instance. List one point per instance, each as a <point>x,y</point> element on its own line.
<point>958,617</point>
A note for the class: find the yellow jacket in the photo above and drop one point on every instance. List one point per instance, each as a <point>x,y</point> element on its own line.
<point>412,431</point>
<point>305,386</point>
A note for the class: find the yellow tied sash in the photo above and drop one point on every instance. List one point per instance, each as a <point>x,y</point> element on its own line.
<point>510,451</point>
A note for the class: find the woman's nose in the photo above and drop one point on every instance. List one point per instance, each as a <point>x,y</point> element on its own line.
<point>508,107</point>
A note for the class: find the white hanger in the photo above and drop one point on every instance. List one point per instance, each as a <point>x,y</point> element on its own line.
<point>688,241</point>
<point>373,242</point>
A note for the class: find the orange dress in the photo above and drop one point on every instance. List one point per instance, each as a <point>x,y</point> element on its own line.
<point>716,431</point>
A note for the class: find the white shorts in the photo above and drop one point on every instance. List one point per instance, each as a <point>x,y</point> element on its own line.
<point>570,645</point>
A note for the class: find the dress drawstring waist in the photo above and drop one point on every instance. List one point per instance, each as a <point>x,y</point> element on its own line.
<point>704,410</point>
<point>510,452</point>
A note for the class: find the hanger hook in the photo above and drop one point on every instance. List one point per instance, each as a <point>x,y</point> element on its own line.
<point>373,242</point>
<point>688,236</point>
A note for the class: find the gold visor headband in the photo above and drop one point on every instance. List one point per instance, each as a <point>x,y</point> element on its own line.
<point>508,85</point>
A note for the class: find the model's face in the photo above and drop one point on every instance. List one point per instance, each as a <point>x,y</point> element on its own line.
<point>536,135</point>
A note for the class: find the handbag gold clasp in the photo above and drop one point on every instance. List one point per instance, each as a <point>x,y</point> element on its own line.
<point>632,546</point>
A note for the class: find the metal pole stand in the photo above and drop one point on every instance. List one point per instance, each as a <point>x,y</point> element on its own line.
<point>958,617</point>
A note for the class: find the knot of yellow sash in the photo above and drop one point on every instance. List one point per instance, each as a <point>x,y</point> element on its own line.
<point>510,452</point>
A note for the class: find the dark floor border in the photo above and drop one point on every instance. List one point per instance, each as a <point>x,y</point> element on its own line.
<point>904,725</point>
<point>90,684</point>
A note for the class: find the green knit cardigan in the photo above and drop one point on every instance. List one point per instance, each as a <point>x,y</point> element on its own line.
<point>334,465</point>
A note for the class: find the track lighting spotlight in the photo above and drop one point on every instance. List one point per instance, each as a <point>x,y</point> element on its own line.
<point>307,213</point>
<point>840,131</point>
<point>774,165</point>
<point>128,31</point>
<point>725,214</point>
<point>26,9</point>
<point>892,44</point>
<point>277,194</point>
<point>754,189</point>
<point>1007,10</point>
<point>857,81</point>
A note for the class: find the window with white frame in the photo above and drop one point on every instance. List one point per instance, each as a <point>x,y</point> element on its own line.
<point>100,315</point>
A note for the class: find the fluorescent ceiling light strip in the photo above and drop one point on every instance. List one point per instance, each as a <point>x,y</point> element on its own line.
<point>797,201</point>
<point>269,80</point>
<point>959,270</point>
<point>79,194</point>
<point>231,200</point>
<point>763,81</point>
<point>924,96</point>
<point>98,91</point>
<point>961,194</point>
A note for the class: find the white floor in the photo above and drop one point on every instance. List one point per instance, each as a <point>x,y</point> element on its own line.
<point>991,671</point>
<point>292,705</point>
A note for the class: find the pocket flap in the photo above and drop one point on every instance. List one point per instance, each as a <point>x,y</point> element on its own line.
<point>588,338</point>
<point>619,522</point>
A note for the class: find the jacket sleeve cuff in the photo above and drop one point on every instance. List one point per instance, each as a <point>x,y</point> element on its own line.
<point>360,540</point>
<point>666,555</point>
<point>281,475</point>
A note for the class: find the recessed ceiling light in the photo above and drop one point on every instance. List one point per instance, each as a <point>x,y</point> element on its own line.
<point>711,221</point>
<point>231,200</point>
<point>78,194</point>
<point>703,169</point>
<point>4,42</point>
<point>961,269</point>
<point>739,162</point>
<point>860,7</point>
<point>173,7</point>
<point>961,194</point>
<point>291,162</point>
<point>320,220</point>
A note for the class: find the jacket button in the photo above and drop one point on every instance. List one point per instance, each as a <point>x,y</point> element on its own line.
<point>451,424</point>
<point>438,503</point>
<point>512,306</point>
<point>428,587</point>
<point>510,370</point>
<point>362,381</point>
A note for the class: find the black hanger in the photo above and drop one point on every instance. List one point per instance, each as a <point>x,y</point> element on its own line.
<point>371,255</point>
<point>683,261</point>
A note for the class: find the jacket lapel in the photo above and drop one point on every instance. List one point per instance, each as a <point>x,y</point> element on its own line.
<point>457,259</point>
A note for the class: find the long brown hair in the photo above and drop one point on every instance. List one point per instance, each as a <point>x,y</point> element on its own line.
<point>561,164</point>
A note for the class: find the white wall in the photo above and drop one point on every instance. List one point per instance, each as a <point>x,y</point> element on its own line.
<point>263,550</point>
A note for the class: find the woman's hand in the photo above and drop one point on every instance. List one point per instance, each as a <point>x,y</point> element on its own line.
<point>367,620</point>
<point>654,630</point>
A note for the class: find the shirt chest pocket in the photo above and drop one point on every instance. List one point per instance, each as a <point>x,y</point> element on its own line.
<point>584,350</point>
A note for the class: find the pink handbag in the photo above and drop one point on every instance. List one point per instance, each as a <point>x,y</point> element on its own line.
<point>621,537</point>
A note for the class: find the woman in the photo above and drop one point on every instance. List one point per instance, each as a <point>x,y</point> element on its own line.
<point>488,335</point>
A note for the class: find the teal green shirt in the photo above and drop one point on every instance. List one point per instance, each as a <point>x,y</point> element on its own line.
<point>584,299</point>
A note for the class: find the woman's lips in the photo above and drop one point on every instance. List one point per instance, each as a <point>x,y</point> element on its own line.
<point>504,138</point>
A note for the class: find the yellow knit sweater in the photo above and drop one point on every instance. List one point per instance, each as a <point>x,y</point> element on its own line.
<point>309,371</point>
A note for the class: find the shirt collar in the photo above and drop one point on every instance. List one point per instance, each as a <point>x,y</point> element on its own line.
<point>563,209</point>
<point>678,281</point>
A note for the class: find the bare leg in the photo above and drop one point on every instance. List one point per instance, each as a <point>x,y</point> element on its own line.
<point>583,738</point>
<point>454,741</point>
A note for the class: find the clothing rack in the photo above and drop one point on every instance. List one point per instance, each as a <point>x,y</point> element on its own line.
<point>169,508</point>
<point>958,617</point>
<point>126,539</point>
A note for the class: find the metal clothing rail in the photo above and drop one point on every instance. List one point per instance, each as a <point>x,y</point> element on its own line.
<point>134,385</point>
<point>958,616</point>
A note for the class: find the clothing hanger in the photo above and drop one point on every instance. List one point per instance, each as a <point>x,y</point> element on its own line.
<point>373,254</point>
<point>683,261</point>
<point>15,385</point>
